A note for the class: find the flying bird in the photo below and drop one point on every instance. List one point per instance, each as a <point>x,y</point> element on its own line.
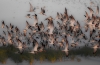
<point>42,11</point>
<point>95,47</point>
<point>32,9</point>
<point>97,11</point>
<point>91,12</point>
<point>3,24</point>
<point>66,48</point>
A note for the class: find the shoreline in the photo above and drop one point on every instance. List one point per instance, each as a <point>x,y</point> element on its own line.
<point>84,60</point>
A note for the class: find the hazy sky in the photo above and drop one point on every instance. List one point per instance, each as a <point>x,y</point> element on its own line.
<point>15,10</point>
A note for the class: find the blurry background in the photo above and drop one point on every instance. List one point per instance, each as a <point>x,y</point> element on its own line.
<point>15,11</point>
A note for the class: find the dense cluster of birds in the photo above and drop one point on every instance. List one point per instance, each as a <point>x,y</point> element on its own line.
<point>66,35</point>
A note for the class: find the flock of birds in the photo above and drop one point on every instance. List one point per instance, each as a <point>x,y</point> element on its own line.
<point>36,38</point>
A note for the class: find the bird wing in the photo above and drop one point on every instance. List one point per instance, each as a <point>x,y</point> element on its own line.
<point>66,47</point>
<point>43,11</point>
<point>31,7</point>
<point>97,12</point>
<point>87,16</point>
<point>36,46</point>
<point>58,16</point>
<point>91,11</point>
<point>3,24</point>
<point>65,10</point>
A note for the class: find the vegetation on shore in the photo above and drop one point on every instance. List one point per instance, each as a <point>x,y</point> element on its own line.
<point>47,55</point>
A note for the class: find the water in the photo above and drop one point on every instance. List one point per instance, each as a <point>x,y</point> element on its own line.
<point>84,61</point>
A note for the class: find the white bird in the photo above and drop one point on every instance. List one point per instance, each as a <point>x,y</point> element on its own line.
<point>66,48</point>
<point>86,27</point>
<point>20,46</point>
<point>50,26</point>
<point>95,47</point>
<point>72,21</point>
<point>10,41</point>
<point>25,31</point>
<point>36,46</point>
